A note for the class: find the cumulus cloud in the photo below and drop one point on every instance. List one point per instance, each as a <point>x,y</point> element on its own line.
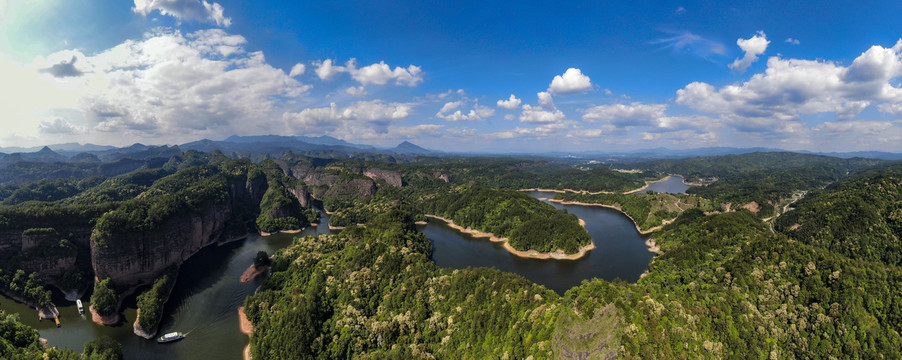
<point>345,122</point>
<point>511,103</point>
<point>537,132</point>
<point>537,114</point>
<point>459,116</point>
<point>792,41</point>
<point>57,126</point>
<point>571,82</point>
<point>356,91</point>
<point>375,74</point>
<point>635,114</point>
<point>174,85</point>
<point>326,69</point>
<point>545,99</point>
<point>297,69</point>
<point>791,87</point>
<point>752,47</point>
<point>188,10</point>
<point>450,106</point>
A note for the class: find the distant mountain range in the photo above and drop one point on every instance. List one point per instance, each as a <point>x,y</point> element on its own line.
<point>257,147</point>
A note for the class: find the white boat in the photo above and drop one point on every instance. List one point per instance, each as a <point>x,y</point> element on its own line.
<point>81,308</point>
<point>170,337</point>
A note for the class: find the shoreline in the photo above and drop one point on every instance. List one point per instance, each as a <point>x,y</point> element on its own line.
<point>246,328</point>
<point>292,231</point>
<point>529,254</point>
<point>651,182</point>
<point>252,273</point>
<point>643,232</point>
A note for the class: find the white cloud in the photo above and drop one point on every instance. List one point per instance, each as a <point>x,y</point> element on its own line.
<point>484,111</point>
<point>413,132</point>
<point>536,114</point>
<point>509,117</point>
<point>511,103</point>
<point>635,114</point>
<point>459,116</point>
<point>167,85</point>
<point>326,69</point>
<point>450,106</point>
<point>358,91</point>
<point>545,99</point>
<point>792,41</point>
<point>375,74</point>
<point>57,126</point>
<point>462,131</point>
<point>790,87</point>
<point>381,73</point>
<point>190,10</point>
<point>572,81</point>
<point>752,47</point>
<point>351,121</point>
<point>297,69</point>
<point>687,42</point>
<point>541,131</point>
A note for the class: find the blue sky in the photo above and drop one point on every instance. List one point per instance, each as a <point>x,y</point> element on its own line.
<point>584,75</point>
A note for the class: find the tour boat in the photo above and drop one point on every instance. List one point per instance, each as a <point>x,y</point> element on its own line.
<point>81,308</point>
<point>170,337</point>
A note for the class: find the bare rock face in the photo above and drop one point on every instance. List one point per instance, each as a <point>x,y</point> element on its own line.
<point>393,178</point>
<point>320,179</point>
<point>134,258</point>
<point>49,267</point>
<point>301,193</point>
<point>445,177</point>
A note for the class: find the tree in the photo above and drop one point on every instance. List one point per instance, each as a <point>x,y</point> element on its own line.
<point>103,348</point>
<point>104,299</point>
<point>262,259</point>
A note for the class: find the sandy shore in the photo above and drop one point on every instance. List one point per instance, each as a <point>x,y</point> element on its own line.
<point>295,231</point>
<point>530,254</point>
<point>252,272</point>
<point>246,328</point>
<point>648,183</point>
<point>567,191</point>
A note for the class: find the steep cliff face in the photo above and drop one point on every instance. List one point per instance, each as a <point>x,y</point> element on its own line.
<point>49,267</point>
<point>134,258</point>
<point>300,192</point>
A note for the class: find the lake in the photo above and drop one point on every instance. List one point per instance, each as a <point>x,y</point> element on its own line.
<point>620,251</point>
<point>673,185</point>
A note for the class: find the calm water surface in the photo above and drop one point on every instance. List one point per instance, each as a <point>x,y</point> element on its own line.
<point>620,251</point>
<point>673,185</point>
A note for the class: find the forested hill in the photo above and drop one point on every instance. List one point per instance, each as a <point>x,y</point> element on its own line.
<point>734,165</point>
<point>859,218</point>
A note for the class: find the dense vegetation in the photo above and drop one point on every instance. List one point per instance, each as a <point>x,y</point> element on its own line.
<point>104,298</point>
<point>26,287</point>
<point>373,292</point>
<point>860,218</point>
<point>529,224</point>
<point>648,209</point>
<point>103,348</point>
<point>21,342</point>
<point>735,165</point>
<point>150,302</point>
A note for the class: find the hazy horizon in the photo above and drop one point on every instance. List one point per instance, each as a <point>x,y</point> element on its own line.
<point>462,77</point>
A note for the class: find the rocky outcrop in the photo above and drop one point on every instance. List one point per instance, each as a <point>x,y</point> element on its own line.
<point>140,257</point>
<point>393,178</point>
<point>49,267</point>
<point>300,192</point>
<point>140,331</point>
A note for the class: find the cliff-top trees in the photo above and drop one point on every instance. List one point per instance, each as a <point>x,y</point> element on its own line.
<point>104,299</point>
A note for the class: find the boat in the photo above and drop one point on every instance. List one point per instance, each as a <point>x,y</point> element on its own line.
<point>170,337</point>
<point>81,308</point>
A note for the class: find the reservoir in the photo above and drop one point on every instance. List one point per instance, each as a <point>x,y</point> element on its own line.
<point>620,251</point>
<point>673,185</point>
<point>207,293</point>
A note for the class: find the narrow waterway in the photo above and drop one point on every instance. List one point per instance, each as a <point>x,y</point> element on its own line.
<point>203,304</point>
<point>620,251</point>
